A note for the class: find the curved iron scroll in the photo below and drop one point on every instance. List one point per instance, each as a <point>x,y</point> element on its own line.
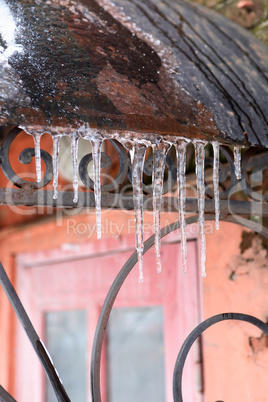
<point>25,157</point>
<point>249,190</point>
<point>102,323</point>
<point>177,377</point>
<point>36,342</point>
<point>105,163</point>
<point>116,286</point>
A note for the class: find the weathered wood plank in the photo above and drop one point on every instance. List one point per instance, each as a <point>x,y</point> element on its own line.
<point>173,68</point>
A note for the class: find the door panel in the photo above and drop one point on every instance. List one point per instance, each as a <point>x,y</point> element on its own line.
<point>135,355</point>
<point>66,340</point>
<point>60,280</point>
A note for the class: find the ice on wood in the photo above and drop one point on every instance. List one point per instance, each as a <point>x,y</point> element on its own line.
<point>181,147</point>
<point>8,30</point>
<point>159,157</point>
<point>96,153</point>
<point>200,184</point>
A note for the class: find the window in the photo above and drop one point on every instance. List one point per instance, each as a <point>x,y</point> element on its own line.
<point>66,340</point>
<point>135,355</point>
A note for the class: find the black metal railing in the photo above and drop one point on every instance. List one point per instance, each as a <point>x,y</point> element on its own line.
<point>245,196</point>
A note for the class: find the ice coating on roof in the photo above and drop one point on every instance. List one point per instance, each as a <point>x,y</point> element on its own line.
<point>152,66</point>
<point>86,63</point>
<point>11,85</point>
<point>8,31</point>
<point>222,64</point>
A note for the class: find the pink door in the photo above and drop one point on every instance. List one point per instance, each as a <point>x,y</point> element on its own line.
<point>63,291</point>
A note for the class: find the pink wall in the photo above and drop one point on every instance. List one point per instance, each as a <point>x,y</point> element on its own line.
<point>234,370</point>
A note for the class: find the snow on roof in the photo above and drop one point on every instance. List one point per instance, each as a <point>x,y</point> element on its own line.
<point>8,31</point>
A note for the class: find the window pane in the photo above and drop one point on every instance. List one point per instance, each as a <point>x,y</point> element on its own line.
<point>66,340</point>
<point>135,348</point>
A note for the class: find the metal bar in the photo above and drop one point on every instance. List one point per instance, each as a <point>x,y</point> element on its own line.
<point>116,286</point>
<point>33,337</point>
<point>108,305</point>
<point>32,198</point>
<point>177,377</point>
<point>5,396</point>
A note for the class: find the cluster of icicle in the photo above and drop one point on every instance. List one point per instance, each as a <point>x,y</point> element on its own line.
<point>137,149</point>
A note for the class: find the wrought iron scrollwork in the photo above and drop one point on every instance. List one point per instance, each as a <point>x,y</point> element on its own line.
<point>114,290</point>
<point>117,193</point>
<point>25,158</point>
<point>254,162</point>
<point>177,377</point>
<point>36,342</point>
<point>225,172</point>
<point>102,325</point>
<point>252,174</point>
<point>148,171</point>
<point>106,162</point>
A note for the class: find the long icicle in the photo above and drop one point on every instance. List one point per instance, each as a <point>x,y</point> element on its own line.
<point>96,152</point>
<point>74,148</point>
<point>216,161</point>
<point>37,139</point>
<point>200,182</point>
<point>181,148</point>
<point>55,161</point>
<point>137,161</point>
<point>237,161</point>
<point>159,156</point>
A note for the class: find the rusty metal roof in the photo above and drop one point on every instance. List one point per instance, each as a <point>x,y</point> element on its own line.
<point>164,67</point>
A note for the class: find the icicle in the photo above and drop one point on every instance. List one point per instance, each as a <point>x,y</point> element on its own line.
<point>181,182</point>
<point>56,147</point>
<point>200,182</point>
<point>159,152</point>
<point>216,150</point>
<point>237,161</point>
<point>137,155</point>
<point>37,138</point>
<point>96,151</point>
<point>74,147</point>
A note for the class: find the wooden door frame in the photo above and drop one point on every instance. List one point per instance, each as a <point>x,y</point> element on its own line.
<point>41,236</point>
<point>108,245</point>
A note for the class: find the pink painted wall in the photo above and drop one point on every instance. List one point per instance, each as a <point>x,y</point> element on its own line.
<point>235,354</point>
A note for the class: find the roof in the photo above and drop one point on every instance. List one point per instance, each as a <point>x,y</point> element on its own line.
<point>165,67</point>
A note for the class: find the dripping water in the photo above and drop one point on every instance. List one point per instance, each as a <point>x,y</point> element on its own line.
<point>74,148</point>
<point>96,152</point>
<point>55,161</point>
<point>137,155</point>
<point>200,183</point>
<point>216,150</point>
<point>159,156</point>
<point>181,147</point>
<point>237,161</point>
